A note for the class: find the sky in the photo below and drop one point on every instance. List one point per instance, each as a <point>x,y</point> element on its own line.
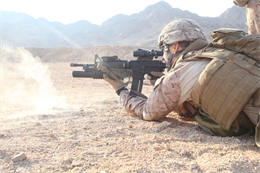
<point>98,11</point>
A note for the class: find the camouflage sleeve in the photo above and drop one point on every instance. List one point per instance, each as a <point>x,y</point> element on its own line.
<point>163,99</point>
<point>169,93</point>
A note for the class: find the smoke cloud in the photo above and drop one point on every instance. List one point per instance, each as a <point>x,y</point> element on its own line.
<point>26,86</point>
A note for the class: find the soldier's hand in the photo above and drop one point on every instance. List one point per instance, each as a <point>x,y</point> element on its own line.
<point>156,74</point>
<point>114,82</point>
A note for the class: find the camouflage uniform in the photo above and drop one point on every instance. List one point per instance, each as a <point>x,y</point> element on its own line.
<point>252,13</point>
<point>175,88</point>
<point>189,77</point>
<point>253,16</point>
<point>170,91</point>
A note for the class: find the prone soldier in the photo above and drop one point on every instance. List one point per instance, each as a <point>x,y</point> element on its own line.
<point>218,85</point>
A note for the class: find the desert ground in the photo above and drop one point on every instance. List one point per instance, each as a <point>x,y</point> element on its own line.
<point>65,124</point>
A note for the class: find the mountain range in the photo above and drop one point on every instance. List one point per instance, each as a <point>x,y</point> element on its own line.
<point>138,29</point>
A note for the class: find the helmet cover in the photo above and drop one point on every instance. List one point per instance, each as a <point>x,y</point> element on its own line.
<point>180,30</point>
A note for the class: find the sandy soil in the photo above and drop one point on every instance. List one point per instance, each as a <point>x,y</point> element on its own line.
<point>88,131</point>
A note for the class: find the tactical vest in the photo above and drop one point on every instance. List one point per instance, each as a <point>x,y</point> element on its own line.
<point>228,82</point>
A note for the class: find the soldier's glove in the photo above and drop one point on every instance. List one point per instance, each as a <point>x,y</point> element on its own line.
<point>156,74</point>
<point>114,82</point>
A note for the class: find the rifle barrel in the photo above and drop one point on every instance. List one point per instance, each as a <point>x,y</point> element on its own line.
<point>76,65</point>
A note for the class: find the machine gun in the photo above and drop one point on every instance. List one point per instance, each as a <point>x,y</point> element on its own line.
<point>135,69</point>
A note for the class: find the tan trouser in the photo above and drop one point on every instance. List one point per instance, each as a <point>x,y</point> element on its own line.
<point>253,18</point>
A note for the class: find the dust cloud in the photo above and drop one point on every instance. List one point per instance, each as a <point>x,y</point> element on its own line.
<point>26,86</point>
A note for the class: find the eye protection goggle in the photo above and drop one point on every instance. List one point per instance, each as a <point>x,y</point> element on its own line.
<point>165,47</point>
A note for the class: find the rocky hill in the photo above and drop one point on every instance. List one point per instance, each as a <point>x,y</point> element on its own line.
<point>140,29</point>
<point>83,54</point>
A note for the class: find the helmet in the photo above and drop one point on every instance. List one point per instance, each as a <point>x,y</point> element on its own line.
<point>180,30</point>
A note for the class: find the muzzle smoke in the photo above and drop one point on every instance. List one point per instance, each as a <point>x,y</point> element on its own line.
<point>26,86</point>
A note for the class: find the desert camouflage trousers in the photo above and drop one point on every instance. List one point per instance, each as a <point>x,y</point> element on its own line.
<point>253,17</point>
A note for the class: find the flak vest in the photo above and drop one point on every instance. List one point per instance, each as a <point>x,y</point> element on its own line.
<point>227,84</point>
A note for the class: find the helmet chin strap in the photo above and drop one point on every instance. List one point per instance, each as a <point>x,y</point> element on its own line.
<point>170,57</point>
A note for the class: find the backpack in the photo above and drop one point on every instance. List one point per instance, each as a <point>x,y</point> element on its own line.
<point>237,40</point>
